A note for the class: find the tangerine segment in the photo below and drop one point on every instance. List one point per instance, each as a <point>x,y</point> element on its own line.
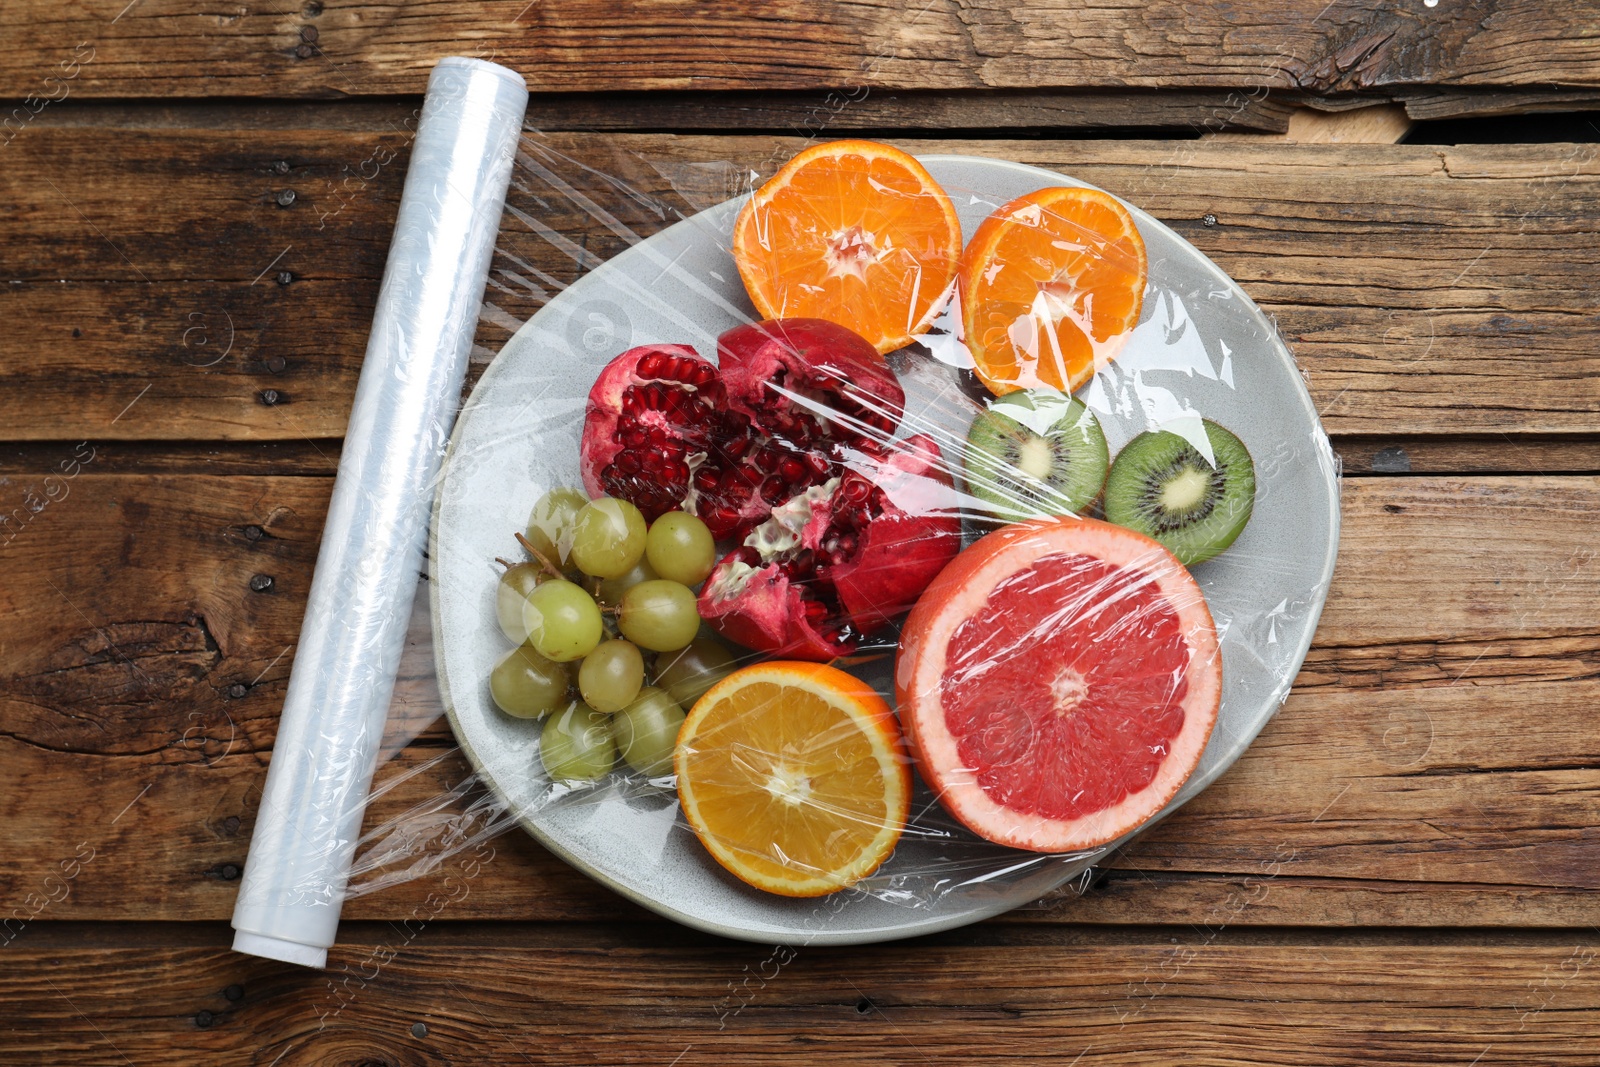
<point>1058,683</point>
<point>1051,285</point>
<point>854,232</point>
<point>794,776</point>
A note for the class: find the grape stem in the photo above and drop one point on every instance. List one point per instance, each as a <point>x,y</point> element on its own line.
<point>554,571</point>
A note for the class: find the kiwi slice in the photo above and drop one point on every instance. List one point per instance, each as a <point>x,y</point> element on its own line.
<point>1036,452</point>
<point>1163,487</point>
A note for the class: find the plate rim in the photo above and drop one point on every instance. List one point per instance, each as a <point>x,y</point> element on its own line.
<point>1328,469</point>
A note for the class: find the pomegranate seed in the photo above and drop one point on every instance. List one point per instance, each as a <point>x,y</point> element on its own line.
<point>847,546</point>
<point>792,470</point>
<point>747,555</point>
<point>705,479</point>
<point>736,448</point>
<point>628,463</point>
<point>804,562</point>
<point>650,366</point>
<point>819,466</point>
<point>774,490</point>
<point>815,610</point>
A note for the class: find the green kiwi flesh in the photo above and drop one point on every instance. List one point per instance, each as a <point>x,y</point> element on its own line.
<point>1036,453</point>
<point>1161,486</point>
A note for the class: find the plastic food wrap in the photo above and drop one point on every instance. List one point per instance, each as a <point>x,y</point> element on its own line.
<point>923,411</point>
<point>328,741</point>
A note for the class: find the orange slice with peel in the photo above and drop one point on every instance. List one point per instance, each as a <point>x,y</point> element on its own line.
<point>794,776</point>
<point>854,232</point>
<point>1051,286</point>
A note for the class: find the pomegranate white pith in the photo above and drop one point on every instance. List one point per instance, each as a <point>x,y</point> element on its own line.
<point>840,559</point>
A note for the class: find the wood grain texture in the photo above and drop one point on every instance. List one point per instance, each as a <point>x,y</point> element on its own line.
<point>438,993</point>
<point>799,113</point>
<point>1424,291</point>
<point>1434,762</point>
<point>341,48</point>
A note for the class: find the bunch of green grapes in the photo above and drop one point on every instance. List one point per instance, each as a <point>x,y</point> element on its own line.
<point>605,600</point>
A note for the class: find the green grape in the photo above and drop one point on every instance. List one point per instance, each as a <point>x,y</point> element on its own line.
<point>563,621</point>
<point>611,675</point>
<point>608,538</point>
<point>688,673</point>
<point>609,590</point>
<point>527,685</point>
<point>515,584</point>
<point>680,548</point>
<point>647,732</point>
<point>551,522</point>
<point>577,744</point>
<point>659,615</point>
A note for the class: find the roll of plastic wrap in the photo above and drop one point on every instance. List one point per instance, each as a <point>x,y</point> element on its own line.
<point>367,568</point>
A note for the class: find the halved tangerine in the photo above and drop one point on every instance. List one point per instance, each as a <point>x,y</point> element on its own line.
<point>1058,683</point>
<point>794,776</point>
<point>1051,285</point>
<point>854,232</point>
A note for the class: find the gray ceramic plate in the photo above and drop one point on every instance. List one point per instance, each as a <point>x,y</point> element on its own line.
<point>1202,348</point>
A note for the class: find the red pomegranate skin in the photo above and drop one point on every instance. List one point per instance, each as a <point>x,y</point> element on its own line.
<point>907,546</point>
<point>830,363</point>
<point>604,410</point>
<point>862,556</point>
<point>666,429</point>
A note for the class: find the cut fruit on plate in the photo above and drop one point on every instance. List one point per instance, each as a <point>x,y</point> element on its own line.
<point>1058,683</point>
<point>854,232</point>
<point>795,777</point>
<point>1196,505</point>
<point>1051,285</point>
<point>1035,453</point>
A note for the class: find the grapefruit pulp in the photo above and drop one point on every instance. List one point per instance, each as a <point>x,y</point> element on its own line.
<point>1058,682</point>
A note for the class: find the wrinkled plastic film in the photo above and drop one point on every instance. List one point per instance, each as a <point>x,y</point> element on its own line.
<point>372,545</point>
<point>603,251</point>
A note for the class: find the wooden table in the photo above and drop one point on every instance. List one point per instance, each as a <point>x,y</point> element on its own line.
<point>195,205</point>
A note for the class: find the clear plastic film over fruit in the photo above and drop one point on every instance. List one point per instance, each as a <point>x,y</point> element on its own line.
<point>1017,516</point>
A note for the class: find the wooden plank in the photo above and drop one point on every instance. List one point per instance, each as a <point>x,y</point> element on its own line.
<point>1429,105</point>
<point>1425,291</point>
<point>1524,454</point>
<point>445,993</point>
<point>1434,763</point>
<point>331,48</point>
<point>802,113</point>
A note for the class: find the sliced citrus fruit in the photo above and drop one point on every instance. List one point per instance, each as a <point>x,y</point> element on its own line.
<point>795,777</point>
<point>854,232</point>
<point>1051,286</point>
<point>1058,682</point>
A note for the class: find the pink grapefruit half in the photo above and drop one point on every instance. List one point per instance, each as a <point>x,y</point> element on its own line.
<point>1058,682</point>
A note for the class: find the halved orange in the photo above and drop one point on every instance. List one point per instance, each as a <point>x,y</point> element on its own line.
<point>795,777</point>
<point>854,232</point>
<point>1051,285</point>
